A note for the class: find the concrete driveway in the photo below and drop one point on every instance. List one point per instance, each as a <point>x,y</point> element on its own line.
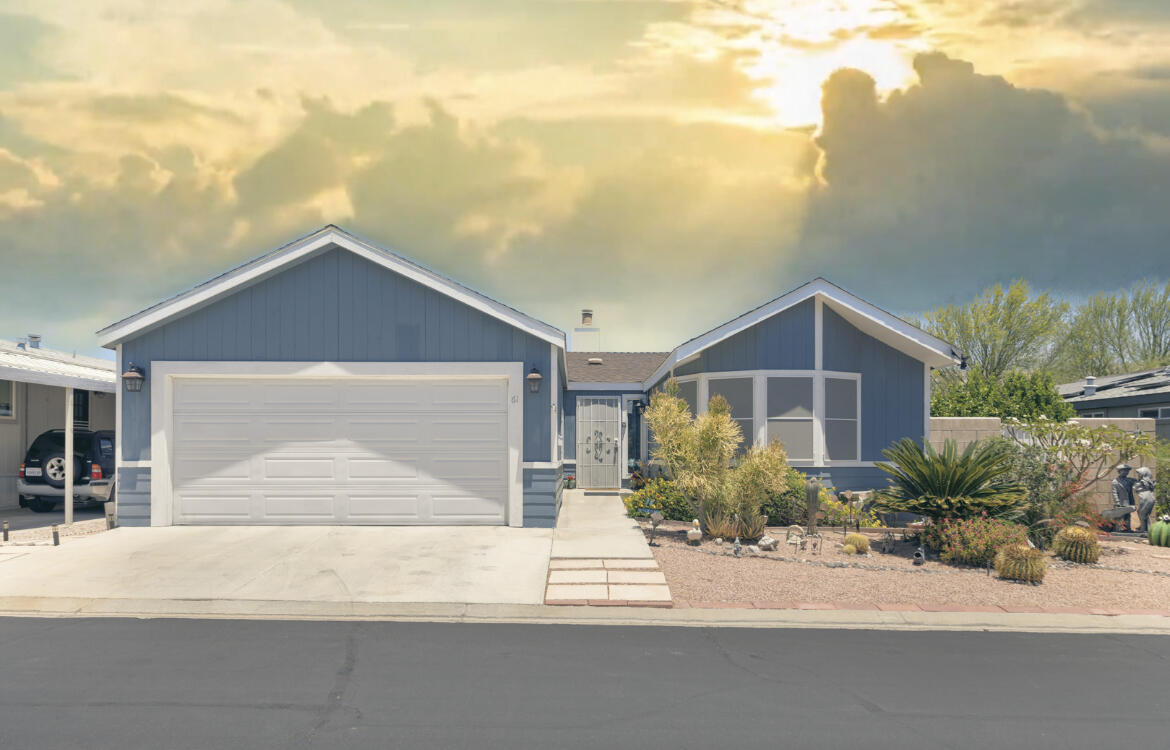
<point>488,565</point>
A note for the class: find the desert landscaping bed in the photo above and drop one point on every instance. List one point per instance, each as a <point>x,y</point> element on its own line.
<point>706,574</point>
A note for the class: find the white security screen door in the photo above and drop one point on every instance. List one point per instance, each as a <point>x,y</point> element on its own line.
<point>599,459</point>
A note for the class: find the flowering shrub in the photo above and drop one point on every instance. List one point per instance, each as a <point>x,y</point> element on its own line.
<point>971,541</point>
<point>836,513</point>
<point>661,495</point>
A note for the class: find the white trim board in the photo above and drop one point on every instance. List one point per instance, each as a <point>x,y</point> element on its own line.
<point>874,321</point>
<point>320,241</point>
<point>603,386</point>
<point>163,374</point>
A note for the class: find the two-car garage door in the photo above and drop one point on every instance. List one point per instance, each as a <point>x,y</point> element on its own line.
<point>345,450</point>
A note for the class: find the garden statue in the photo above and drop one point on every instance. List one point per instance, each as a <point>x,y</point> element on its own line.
<point>1145,497</point>
<point>1123,504</point>
<point>1123,488</point>
<point>694,534</point>
<point>737,547</point>
<point>812,497</point>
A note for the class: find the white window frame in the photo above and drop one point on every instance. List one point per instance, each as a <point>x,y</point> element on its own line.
<point>760,406</point>
<point>1100,414</point>
<point>15,415</point>
<point>1161,412</point>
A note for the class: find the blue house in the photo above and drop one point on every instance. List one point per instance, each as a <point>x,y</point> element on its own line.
<point>333,382</point>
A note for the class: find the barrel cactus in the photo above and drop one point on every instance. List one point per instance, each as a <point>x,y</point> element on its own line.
<point>859,543</point>
<point>1160,532</point>
<point>1019,562</point>
<point>1077,544</point>
<point>849,549</point>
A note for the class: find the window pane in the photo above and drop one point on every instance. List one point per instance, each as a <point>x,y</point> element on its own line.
<point>790,397</point>
<point>6,391</point>
<point>840,398</point>
<point>1148,413</point>
<point>737,391</point>
<point>841,439</point>
<point>796,435</point>
<point>689,392</point>
<point>749,435</point>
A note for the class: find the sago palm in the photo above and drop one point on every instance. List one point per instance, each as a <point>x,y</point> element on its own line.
<point>950,484</point>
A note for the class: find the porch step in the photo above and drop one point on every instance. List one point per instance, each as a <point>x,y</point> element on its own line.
<point>606,582</point>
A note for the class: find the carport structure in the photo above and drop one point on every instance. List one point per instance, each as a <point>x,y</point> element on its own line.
<point>32,382</point>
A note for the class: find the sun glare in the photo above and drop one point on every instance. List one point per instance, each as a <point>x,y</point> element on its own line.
<point>792,46</point>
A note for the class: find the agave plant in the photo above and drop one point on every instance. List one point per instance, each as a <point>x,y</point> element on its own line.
<point>950,484</point>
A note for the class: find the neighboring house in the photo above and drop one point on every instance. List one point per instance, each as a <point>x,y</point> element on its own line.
<point>33,380</point>
<point>331,381</point>
<point>1134,394</point>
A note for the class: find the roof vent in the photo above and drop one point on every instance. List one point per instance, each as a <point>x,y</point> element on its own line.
<point>34,341</point>
<point>1090,386</point>
<point>586,318</point>
<point>595,360</point>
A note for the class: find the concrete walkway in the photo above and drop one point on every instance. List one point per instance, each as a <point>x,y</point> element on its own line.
<point>340,564</point>
<point>600,556</point>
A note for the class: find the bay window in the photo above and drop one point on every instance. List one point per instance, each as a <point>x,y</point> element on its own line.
<point>790,415</point>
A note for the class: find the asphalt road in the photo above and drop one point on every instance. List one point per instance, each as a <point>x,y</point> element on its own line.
<point>104,683</point>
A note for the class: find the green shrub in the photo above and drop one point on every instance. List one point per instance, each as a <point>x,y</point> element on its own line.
<point>971,541</point>
<point>786,507</point>
<point>950,484</point>
<point>837,513</point>
<point>661,495</point>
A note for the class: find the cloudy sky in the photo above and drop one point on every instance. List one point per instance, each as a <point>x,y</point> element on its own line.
<point>670,164</point>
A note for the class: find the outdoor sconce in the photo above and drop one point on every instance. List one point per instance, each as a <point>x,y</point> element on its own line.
<point>534,377</point>
<point>133,378</point>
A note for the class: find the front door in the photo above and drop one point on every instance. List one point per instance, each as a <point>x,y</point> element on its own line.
<point>599,459</point>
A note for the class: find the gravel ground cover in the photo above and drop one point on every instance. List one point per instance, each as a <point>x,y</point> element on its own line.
<point>45,533</point>
<point>698,575</point>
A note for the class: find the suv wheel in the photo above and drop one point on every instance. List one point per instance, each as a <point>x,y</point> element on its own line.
<point>54,470</point>
<point>41,505</point>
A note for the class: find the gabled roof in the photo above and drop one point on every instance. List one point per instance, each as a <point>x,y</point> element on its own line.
<point>28,364</point>
<point>611,367</point>
<point>320,241</point>
<point>884,326</point>
<point>1145,386</point>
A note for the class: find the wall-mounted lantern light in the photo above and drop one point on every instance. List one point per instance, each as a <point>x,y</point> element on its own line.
<point>133,378</point>
<point>534,377</point>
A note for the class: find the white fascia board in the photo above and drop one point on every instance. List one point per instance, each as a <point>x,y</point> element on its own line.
<point>22,375</point>
<point>883,326</point>
<point>299,250</point>
<point>590,386</point>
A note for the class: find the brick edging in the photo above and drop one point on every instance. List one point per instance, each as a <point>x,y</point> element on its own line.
<point>909,607</point>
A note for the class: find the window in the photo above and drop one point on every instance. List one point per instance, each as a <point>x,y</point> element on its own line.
<point>689,391</point>
<point>81,409</point>
<point>841,419</point>
<point>738,392</point>
<point>1156,413</point>
<point>1094,415</point>
<point>790,415</point>
<point>7,399</point>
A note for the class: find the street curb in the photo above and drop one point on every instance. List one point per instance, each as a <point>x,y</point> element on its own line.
<point>243,609</point>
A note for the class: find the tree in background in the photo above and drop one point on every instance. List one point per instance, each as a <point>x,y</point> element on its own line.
<point>1002,329</point>
<point>1115,333</point>
<point>1016,394</point>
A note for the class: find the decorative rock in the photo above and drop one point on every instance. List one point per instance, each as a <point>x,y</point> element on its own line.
<point>768,543</point>
<point>753,550</point>
<point>694,534</point>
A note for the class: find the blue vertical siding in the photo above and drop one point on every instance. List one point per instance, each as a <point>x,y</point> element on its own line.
<point>785,341</point>
<point>892,385</point>
<point>338,307</point>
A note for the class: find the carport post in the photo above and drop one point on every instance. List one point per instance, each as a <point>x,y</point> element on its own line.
<point>68,456</point>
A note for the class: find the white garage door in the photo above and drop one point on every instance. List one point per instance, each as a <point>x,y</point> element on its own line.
<point>339,451</point>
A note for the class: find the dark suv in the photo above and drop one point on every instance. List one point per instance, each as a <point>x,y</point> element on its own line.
<point>42,475</point>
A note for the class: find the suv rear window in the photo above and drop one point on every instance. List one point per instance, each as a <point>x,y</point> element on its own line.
<point>55,441</point>
<point>105,447</point>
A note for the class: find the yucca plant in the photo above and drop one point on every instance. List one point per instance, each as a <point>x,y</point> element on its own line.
<point>950,484</point>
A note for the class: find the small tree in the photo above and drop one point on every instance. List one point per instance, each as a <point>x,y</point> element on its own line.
<point>699,455</point>
<point>1088,454</point>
